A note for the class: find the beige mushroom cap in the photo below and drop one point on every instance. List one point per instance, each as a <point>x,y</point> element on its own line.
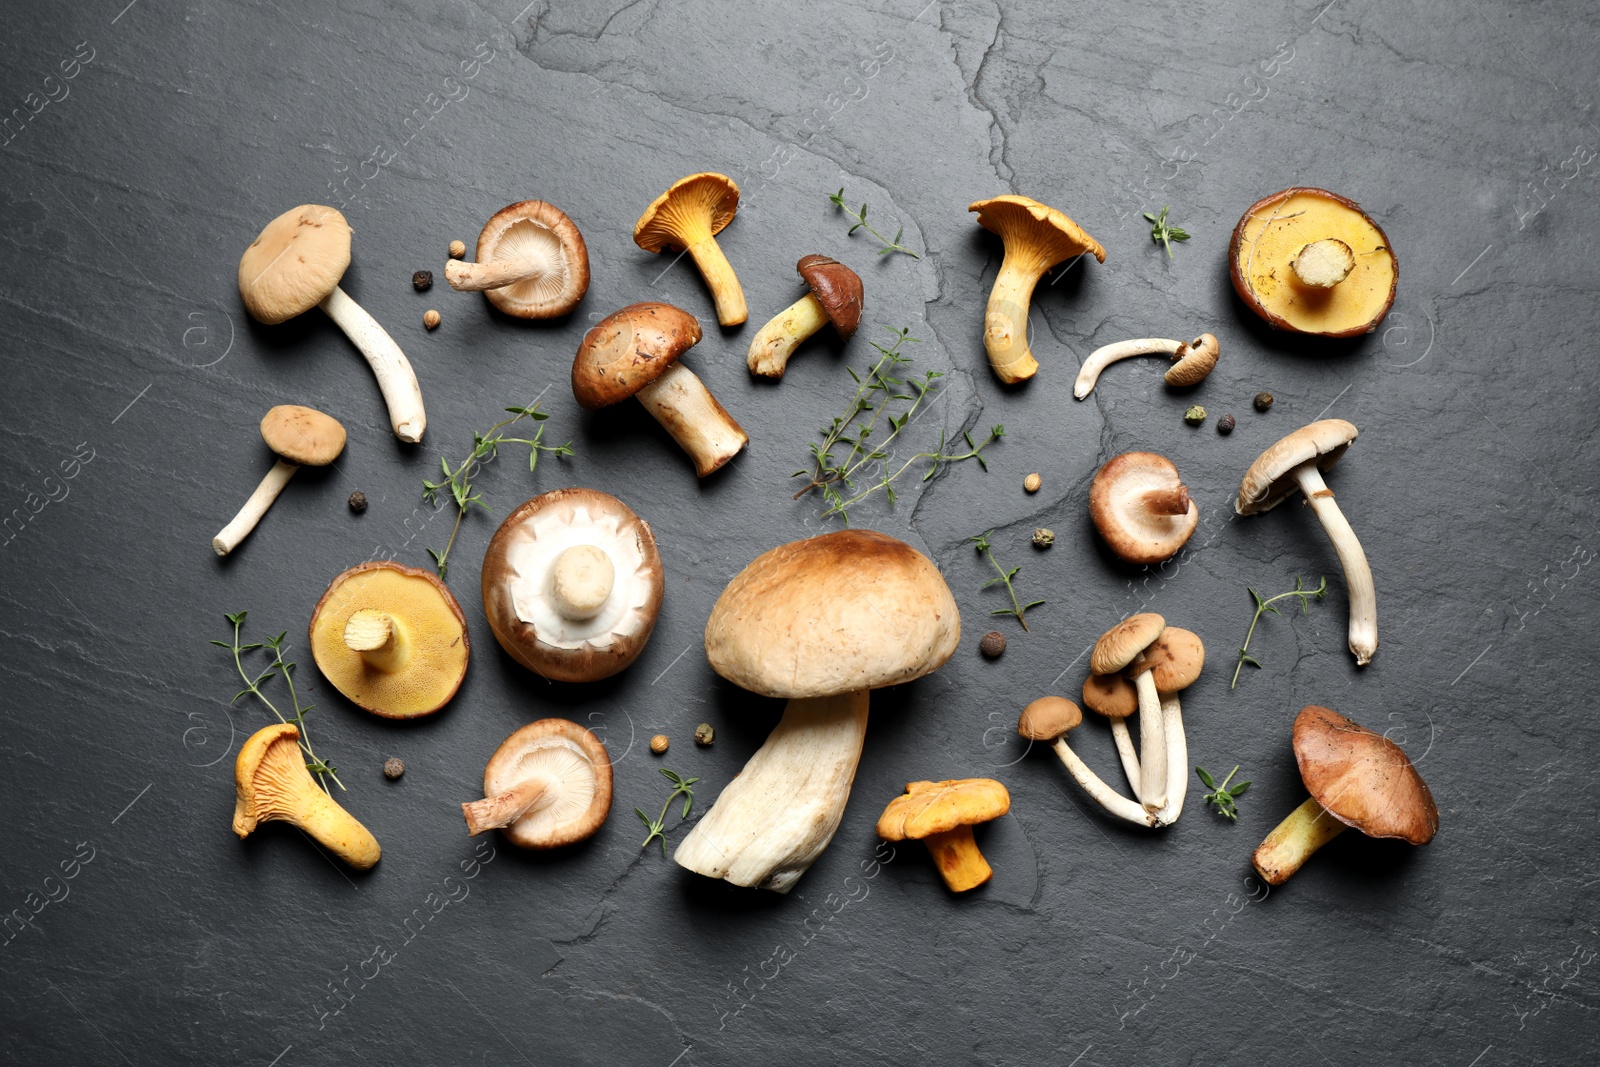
<point>294,263</point>
<point>1110,695</point>
<point>693,209</point>
<point>1048,718</point>
<point>1270,481</point>
<point>1122,512</point>
<point>1174,659</point>
<point>1033,232</point>
<point>303,435</point>
<point>1120,644</point>
<point>575,770</point>
<point>1194,361</point>
<point>533,231</point>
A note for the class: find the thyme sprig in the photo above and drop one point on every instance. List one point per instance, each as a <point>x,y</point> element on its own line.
<point>1221,797</point>
<point>837,200</point>
<point>681,786</point>
<point>1163,234</point>
<point>1017,609</point>
<point>1266,604</point>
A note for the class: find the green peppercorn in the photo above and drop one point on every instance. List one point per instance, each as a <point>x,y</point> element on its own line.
<point>1195,415</point>
<point>704,734</point>
<point>1043,538</point>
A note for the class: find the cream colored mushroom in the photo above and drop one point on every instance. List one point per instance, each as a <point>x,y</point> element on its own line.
<point>1049,719</point>
<point>1191,360</point>
<point>1118,648</point>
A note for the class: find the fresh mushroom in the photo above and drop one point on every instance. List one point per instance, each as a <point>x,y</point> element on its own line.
<point>1141,508</point>
<point>271,784</point>
<point>834,296</point>
<point>1049,719</point>
<point>391,638</point>
<point>547,785</point>
<point>635,352</point>
<point>1191,360</point>
<point>295,265</point>
<point>299,437</point>
<point>1116,649</point>
<point>532,262</point>
<point>1114,697</point>
<point>1356,778</point>
<point>1295,464</point>
<point>941,815</point>
<point>1036,238</point>
<point>821,622</point>
<point>687,217</point>
<point>1174,661</point>
<point>572,585</point>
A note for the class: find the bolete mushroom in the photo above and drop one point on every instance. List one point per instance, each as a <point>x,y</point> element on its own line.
<point>548,784</point>
<point>295,265</point>
<point>1036,238</point>
<point>272,784</point>
<point>1356,778</point>
<point>687,217</point>
<point>1295,464</point>
<point>532,262</point>
<point>821,622</point>
<point>391,638</point>
<point>1116,649</point>
<point>1141,508</point>
<point>1049,719</point>
<point>299,437</point>
<point>635,352</point>
<point>1191,360</point>
<point>572,585</point>
<point>941,815</point>
<point>1174,661</point>
<point>835,296</point>
<point>1113,697</point>
<point>1311,261</point>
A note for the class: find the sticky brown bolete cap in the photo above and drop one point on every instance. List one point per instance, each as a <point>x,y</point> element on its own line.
<point>1362,778</point>
<point>1271,479</point>
<point>837,288</point>
<point>272,784</point>
<point>294,263</point>
<point>941,815</point>
<point>1119,645</point>
<point>1049,718</point>
<point>1141,507</point>
<point>532,263</point>
<point>547,785</point>
<point>303,435</point>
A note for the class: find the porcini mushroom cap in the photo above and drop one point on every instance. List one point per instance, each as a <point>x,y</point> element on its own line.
<point>1174,659</point>
<point>837,288</point>
<point>517,572</point>
<point>693,208</point>
<point>294,263</point>
<point>928,808</point>
<point>1362,778</point>
<point>1270,480</point>
<point>1048,718</point>
<point>629,349</point>
<point>1120,644</point>
<point>532,230</point>
<point>577,774</point>
<point>302,435</point>
<point>1034,232</point>
<point>1110,695</point>
<point>430,634</point>
<point>837,613</point>
<point>1129,527</point>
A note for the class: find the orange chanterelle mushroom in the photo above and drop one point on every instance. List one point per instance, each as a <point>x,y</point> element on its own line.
<point>941,815</point>
<point>272,784</point>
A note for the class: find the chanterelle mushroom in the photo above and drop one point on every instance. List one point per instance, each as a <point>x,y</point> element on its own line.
<point>1116,649</point>
<point>1174,660</point>
<point>532,262</point>
<point>572,585</point>
<point>1049,719</point>
<point>1295,464</point>
<point>941,815</point>
<point>835,296</point>
<point>635,352</point>
<point>299,437</point>
<point>822,622</point>
<point>688,216</point>
<point>1191,360</point>
<point>1141,509</point>
<point>1036,238</point>
<point>1356,778</point>
<point>295,265</point>
<point>548,784</point>
<point>271,783</point>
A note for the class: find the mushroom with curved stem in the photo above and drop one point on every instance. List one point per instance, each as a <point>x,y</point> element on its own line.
<point>1191,360</point>
<point>548,784</point>
<point>834,296</point>
<point>1141,509</point>
<point>299,437</point>
<point>941,815</point>
<point>1173,661</point>
<point>687,217</point>
<point>1118,648</point>
<point>1049,719</point>
<point>272,784</point>
<point>532,262</point>
<point>1113,696</point>
<point>294,265</point>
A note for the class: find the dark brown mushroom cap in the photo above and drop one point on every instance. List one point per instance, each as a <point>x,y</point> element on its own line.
<point>574,765</point>
<point>303,435</point>
<point>536,229</point>
<point>1110,695</point>
<point>1048,718</point>
<point>1270,480</point>
<point>1362,778</point>
<point>928,808</point>
<point>1174,660</point>
<point>1120,644</point>
<point>837,288</point>
<point>629,349</point>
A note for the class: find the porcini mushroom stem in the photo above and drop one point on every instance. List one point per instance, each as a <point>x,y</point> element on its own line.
<point>720,279</point>
<point>1104,356</point>
<point>684,406</point>
<point>1177,760</point>
<point>1152,744</point>
<point>1167,501</point>
<point>1005,319</point>
<point>1357,574</point>
<point>467,277</point>
<point>491,813</point>
<point>1294,841</point>
<point>1112,801</point>
<point>1128,753</point>
<point>267,491</point>
<point>396,380</point>
<point>375,635</point>
<point>956,854</point>
<point>771,348</point>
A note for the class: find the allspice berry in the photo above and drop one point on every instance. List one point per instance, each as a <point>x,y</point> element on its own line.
<point>358,502</point>
<point>993,644</point>
<point>1043,537</point>
<point>1263,401</point>
<point>457,249</point>
<point>1032,482</point>
<point>704,734</point>
<point>393,768</point>
<point>430,319</point>
<point>659,743</point>
<point>1226,424</point>
<point>422,280</point>
<point>1195,415</point>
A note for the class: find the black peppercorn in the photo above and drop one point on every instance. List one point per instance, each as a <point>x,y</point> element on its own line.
<point>358,501</point>
<point>1225,424</point>
<point>993,644</point>
<point>1263,401</point>
<point>393,768</point>
<point>422,280</point>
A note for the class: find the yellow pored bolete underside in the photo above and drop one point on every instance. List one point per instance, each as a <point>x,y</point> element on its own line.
<point>941,815</point>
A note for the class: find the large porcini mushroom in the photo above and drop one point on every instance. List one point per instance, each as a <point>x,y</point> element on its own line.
<point>1295,464</point>
<point>1116,649</point>
<point>1311,261</point>
<point>272,784</point>
<point>941,815</point>
<point>1356,778</point>
<point>295,265</point>
<point>1036,238</point>
<point>1141,508</point>
<point>834,296</point>
<point>1174,661</point>
<point>572,585</point>
<point>821,622</point>
<point>687,217</point>
<point>548,784</point>
<point>532,262</point>
<point>1048,719</point>
<point>1191,360</point>
<point>299,437</point>
<point>635,352</point>
<point>391,638</point>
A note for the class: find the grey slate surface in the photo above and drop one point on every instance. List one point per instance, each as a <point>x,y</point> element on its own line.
<point>1468,130</point>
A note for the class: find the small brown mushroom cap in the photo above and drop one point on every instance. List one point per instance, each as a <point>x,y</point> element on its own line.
<point>1362,778</point>
<point>629,349</point>
<point>1049,718</point>
<point>1270,480</point>
<point>928,808</point>
<point>575,770</point>
<point>1120,644</point>
<point>533,230</point>
<point>1123,515</point>
<point>303,435</point>
<point>837,288</point>
<point>294,263</point>
<point>1174,659</point>
<point>1194,361</point>
<point>1034,233</point>
<point>1110,695</point>
<point>694,208</point>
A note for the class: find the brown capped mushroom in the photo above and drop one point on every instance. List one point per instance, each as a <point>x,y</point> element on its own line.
<point>688,216</point>
<point>1191,360</point>
<point>1117,648</point>
<point>271,783</point>
<point>299,437</point>
<point>1174,661</point>
<point>1141,509</point>
<point>1113,697</point>
<point>547,785</point>
<point>532,262</point>
<point>1048,719</point>
<point>941,815</point>
<point>835,297</point>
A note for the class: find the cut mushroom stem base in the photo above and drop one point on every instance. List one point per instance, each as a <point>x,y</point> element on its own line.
<point>683,405</point>
<point>240,525</point>
<point>396,380</point>
<point>1005,322</point>
<point>1112,801</point>
<point>720,279</point>
<point>1152,744</point>
<point>1295,839</point>
<point>1177,760</point>
<point>492,813</point>
<point>1357,573</point>
<point>771,348</point>
<point>379,638</point>
<point>960,863</point>
<point>467,277</point>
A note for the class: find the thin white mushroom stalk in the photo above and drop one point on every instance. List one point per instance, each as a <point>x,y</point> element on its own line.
<point>249,516</point>
<point>1152,743</point>
<point>1129,754</point>
<point>396,380</point>
<point>1113,802</point>
<point>1357,573</point>
<point>683,405</point>
<point>1177,760</point>
<point>1192,360</point>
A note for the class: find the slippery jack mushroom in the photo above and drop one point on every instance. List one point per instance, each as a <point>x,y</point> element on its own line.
<point>572,585</point>
<point>941,815</point>
<point>1173,661</point>
<point>547,785</point>
<point>687,217</point>
<point>1036,238</point>
<point>1191,360</point>
<point>1116,649</point>
<point>299,437</point>
<point>532,262</point>
<point>821,622</point>
<point>295,265</point>
<point>1141,509</point>
<point>1356,778</point>
<point>1295,464</point>
<point>835,296</point>
<point>271,784</point>
<point>1048,719</point>
<point>635,352</point>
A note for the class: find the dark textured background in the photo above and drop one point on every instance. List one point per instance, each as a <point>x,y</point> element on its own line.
<point>1466,129</point>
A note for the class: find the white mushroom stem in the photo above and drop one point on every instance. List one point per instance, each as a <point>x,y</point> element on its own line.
<point>1129,754</point>
<point>241,524</point>
<point>1103,357</point>
<point>467,277</point>
<point>396,380</point>
<point>720,279</point>
<point>1152,743</point>
<point>581,580</point>
<point>491,813</point>
<point>683,405</point>
<point>775,818</point>
<point>771,348</point>
<point>1357,574</point>
<point>1109,799</point>
<point>1177,760</point>
<point>378,638</point>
